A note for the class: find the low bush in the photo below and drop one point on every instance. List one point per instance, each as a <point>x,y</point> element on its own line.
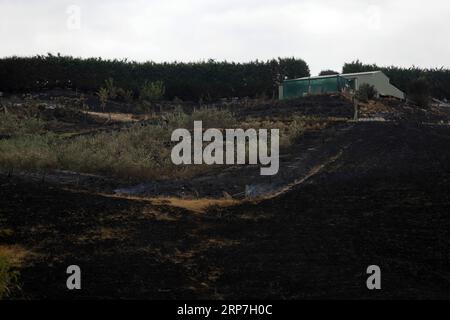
<point>28,152</point>
<point>366,92</point>
<point>8,277</point>
<point>10,124</point>
<point>152,91</point>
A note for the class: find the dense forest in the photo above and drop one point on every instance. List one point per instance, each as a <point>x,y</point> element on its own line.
<point>437,80</point>
<point>205,80</point>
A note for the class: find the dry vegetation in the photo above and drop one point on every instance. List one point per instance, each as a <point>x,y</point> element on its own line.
<point>8,274</point>
<point>133,149</point>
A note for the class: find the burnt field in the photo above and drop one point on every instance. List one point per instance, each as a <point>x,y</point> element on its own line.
<point>348,195</point>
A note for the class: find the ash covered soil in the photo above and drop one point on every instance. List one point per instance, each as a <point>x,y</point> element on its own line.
<point>378,194</point>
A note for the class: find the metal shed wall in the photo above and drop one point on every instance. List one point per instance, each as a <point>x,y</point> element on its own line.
<point>319,85</point>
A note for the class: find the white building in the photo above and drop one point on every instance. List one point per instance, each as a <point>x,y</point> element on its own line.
<point>335,83</point>
<point>377,79</point>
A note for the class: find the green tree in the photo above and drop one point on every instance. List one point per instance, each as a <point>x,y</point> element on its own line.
<point>103,95</point>
<point>328,72</point>
<point>187,81</point>
<point>152,91</point>
<point>126,96</point>
<point>111,88</point>
<point>438,79</point>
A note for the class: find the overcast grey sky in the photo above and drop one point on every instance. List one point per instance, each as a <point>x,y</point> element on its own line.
<point>325,33</point>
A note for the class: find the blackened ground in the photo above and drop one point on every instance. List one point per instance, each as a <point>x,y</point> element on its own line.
<point>383,200</point>
<point>329,105</point>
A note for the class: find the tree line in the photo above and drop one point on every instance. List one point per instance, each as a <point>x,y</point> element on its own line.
<point>192,81</point>
<point>206,80</point>
<point>434,82</point>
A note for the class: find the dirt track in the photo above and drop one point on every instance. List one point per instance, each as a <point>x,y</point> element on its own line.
<point>384,200</point>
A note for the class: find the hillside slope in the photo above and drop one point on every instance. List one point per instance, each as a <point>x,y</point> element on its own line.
<point>383,199</point>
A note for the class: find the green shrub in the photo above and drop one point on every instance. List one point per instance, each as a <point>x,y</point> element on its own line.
<point>111,88</point>
<point>125,95</point>
<point>8,277</point>
<point>366,92</point>
<point>328,73</point>
<point>152,91</point>
<point>103,95</point>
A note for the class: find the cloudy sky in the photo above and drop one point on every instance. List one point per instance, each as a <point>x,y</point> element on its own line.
<point>325,33</point>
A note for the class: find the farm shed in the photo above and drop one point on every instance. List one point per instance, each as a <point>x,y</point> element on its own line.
<point>336,83</point>
<point>312,85</point>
